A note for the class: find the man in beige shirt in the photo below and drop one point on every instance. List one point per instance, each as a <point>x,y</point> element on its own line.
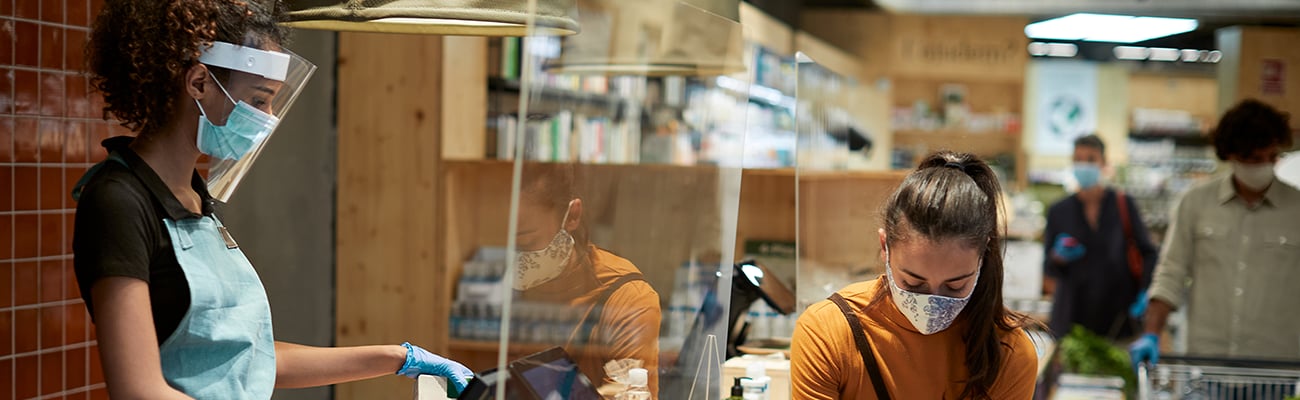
<point>1232,252</point>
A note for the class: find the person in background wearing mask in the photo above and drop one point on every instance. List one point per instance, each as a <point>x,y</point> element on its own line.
<point>558,264</point>
<point>1236,239</point>
<point>1087,242</point>
<point>934,326</point>
<point>179,312</point>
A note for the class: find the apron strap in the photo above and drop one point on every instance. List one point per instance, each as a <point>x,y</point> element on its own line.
<point>864,346</point>
<point>81,183</point>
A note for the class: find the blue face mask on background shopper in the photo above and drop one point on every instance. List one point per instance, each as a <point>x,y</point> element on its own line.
<point>928,313</point>
<point>1087,175</point>
<point>245,128</point>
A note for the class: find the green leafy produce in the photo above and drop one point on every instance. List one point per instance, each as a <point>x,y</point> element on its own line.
<point>1083,352</point>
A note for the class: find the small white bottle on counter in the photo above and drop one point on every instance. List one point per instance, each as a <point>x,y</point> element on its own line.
<point>756,386</point>
<point>638,385</point>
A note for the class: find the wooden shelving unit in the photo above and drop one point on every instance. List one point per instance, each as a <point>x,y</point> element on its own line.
<point>984,144</point>
<point>994,96</point>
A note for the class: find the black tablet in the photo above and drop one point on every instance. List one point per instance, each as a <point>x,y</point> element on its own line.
<point>484,386</point>
<point>552,375</point>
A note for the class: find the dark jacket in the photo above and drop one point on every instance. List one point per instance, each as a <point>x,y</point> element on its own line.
<point>1097,290</point>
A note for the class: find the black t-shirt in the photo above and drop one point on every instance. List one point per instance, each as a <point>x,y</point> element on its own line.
<point>120,232</point>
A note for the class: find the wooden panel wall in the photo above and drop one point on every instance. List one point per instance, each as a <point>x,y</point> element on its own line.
<point>922,46</point>
<point>387,277</point>
<point>989,48</point>
<point>465,96</point>
<point>758,27</point>
<point>1245,50</point>
<point>863,34</point>
<point>840,214</point>
<point>1198,95</point>
<point>827,55</point>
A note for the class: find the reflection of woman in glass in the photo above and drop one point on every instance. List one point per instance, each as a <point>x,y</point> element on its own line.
<point>934,326</point>
<point>559,264</point>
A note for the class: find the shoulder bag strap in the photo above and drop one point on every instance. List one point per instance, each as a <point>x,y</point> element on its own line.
<point>586,327</point>
<point>864,346</point>
<point>1134,256</point>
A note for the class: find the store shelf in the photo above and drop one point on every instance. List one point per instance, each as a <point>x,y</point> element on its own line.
<point>985,144</point>
<point>564,95</point>
<point>756,93</point>
<point>1188,139</point>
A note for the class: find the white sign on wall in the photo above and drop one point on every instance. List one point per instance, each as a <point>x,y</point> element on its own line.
<point>1066,104</point>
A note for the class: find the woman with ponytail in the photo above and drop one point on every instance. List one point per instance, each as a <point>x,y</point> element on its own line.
<point>934,326</point>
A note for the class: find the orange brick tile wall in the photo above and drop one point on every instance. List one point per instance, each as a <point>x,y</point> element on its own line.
<point>50,128</point>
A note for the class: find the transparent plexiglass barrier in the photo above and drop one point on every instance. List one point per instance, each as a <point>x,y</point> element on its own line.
<point>834,247</point>
<point>624,154</point>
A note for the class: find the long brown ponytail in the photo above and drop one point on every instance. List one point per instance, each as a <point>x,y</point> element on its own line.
<point>956,196</point>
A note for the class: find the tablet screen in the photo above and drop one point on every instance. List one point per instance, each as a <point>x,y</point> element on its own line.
<point>555,378</point>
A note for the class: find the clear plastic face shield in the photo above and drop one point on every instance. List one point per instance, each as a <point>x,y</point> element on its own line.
<point>260,88</point>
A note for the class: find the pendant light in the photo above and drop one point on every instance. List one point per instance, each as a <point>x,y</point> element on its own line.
<point>653,38</point>
<point>434,17</point>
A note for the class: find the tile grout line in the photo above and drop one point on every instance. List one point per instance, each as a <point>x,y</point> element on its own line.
<point>39,165</point>
<point>67,392</point>
<point>40,212</point>
<point>40,88</point>
<point>63,203</point>
<point>42,305</point>
<point>13,228</point>
<point>52,350</point>
<point>64,24</point>
<point>28,68</point>
<point>40,259</point>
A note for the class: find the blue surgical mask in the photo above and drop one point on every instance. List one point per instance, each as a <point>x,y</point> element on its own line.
<point>1087,175</point>
<point>245,128</point>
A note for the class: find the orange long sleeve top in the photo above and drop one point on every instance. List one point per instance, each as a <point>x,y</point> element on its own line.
<point>629,326</point>
<point>826,364</point>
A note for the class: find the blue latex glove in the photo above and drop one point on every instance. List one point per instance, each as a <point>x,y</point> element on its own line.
<point>1068,248</point>
<point>1145,349</point>
<point>421,362</point>
<point>1139,306</point>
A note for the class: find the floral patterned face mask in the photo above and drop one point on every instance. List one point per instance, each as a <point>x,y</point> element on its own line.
<point>541,266</point>
<point>929,313</point>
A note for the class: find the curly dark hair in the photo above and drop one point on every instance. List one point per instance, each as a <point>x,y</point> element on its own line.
<point>139,50</point>
<point>1249,126</point>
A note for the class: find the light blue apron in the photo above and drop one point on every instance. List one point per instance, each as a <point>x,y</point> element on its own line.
<point>223,347</point>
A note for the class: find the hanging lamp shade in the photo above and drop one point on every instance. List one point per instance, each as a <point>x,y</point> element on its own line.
<point>653,38</point>
<point>435,17</point>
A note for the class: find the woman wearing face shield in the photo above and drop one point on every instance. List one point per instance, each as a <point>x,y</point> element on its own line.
<point>934,326</point>
<point>558,265</point>
<point>178,310</point>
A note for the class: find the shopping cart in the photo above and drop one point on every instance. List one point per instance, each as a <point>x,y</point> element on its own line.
<point>1208,378</point>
